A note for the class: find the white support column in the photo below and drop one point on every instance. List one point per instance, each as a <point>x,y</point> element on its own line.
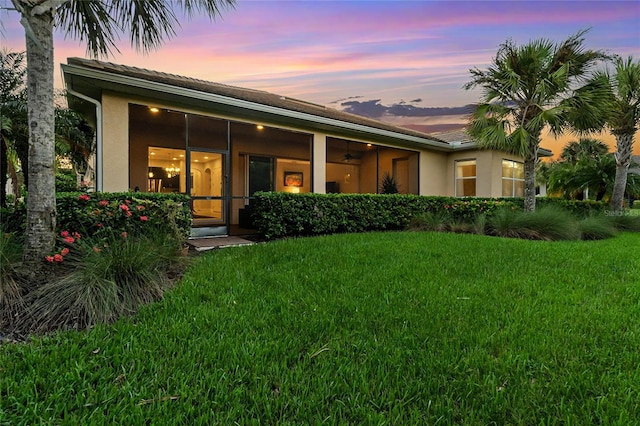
<point>319,163</point>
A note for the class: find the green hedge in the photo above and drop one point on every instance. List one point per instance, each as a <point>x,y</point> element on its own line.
<point>106,212</point>
<point>279,214</point>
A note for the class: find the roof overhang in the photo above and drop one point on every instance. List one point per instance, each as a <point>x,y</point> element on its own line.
<point>92,82</point>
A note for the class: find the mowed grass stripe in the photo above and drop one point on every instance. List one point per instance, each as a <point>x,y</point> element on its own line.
<point>381,328</point>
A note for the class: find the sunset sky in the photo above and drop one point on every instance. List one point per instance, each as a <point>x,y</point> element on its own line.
<point>392,60</point>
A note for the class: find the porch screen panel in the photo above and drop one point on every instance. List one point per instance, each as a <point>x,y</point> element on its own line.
<point>207,132</point>
<point>152,128</point>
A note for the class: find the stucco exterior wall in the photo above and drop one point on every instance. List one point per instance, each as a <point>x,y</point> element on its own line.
<point>115,146</point>
<point>433,173</point>
<point>488,171</point>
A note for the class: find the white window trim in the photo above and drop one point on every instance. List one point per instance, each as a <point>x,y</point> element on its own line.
<point>512,178</point>
<point>456,178</point>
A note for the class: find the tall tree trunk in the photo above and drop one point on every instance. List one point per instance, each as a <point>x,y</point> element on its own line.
<point>530,184</point>
<point>624,144</point>
<point>41,202</point>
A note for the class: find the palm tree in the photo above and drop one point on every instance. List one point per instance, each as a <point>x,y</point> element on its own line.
<point>597,174</point>
<point>532,86</point>
<point>588,147</point>
<point>581,167</point>
<point>98,23</point>
<point>623,118</point>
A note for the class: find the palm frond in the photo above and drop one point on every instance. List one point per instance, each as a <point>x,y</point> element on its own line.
<point>89,21</point>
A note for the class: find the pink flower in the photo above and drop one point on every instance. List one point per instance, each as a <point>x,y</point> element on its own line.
<point>99,225</point>
<point>127,201</point>
<point>140,207</point>
<point>124,207</point>
<point>64,234</point>
<point>84,197</point>
<point>69,240</point>
<point>103,203</point>
<point>143,218</point>
<point>57,258</point>
<point>128,214</point>
<point>49,259</point>
<point>75,234</point>
<point>64,251</point>
<point>124,235</point>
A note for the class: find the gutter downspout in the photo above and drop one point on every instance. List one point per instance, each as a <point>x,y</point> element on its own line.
<point>98,106</point>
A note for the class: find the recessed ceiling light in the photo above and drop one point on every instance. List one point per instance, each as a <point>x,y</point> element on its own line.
<point>206,158</point>
<point>154,109</point>
<point>260,127</point>
<point>153,153</point>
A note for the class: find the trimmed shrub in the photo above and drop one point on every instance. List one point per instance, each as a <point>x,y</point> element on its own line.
<point>66,180</point>
<point>13,219</point>
<point>100,213</point>
<point>578,208</point>
<point>279,214</point>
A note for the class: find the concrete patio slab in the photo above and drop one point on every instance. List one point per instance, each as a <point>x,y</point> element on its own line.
<point>210,243</point>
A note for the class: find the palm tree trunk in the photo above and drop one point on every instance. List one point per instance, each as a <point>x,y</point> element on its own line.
<point>41,202</point>
<point>623,158</point>
<point>530,183</point>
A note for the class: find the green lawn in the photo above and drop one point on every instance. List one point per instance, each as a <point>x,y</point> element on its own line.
<point>383,328</point>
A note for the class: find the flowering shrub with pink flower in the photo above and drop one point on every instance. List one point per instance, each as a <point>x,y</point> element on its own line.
<point>99,217</point>
<point>101,214</point>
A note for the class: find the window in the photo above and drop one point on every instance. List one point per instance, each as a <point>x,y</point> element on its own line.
<point>466,178</point>
<point>512,179</point>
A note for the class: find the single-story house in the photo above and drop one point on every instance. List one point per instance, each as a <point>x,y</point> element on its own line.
<point>220,144</point>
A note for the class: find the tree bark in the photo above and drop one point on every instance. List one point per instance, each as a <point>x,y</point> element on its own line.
<point>37,18</point>
<point>530,183</point>
<point>624,144</point>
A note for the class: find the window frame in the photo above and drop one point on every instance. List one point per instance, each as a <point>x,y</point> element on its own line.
<point>512,179</point>
<point>457,178</point>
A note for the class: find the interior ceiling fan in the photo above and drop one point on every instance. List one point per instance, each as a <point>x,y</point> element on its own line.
<point>348,156</point>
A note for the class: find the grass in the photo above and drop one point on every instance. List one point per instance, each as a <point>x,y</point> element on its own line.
<point>381,328</point>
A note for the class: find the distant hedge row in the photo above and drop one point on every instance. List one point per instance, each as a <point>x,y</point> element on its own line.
<point>279,214</point>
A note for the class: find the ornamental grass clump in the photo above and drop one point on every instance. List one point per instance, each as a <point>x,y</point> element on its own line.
<point>102,280</point>
<point>119,262</point>
<point>596,228</point>
<point>626,222</point>
<point>10,297</point>
<point>438,221</point>
<point>547,223</point>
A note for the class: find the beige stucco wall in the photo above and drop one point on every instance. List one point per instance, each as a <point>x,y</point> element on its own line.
<point>115,143</point>
<point>488,171</point>
<point>433,173</point>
